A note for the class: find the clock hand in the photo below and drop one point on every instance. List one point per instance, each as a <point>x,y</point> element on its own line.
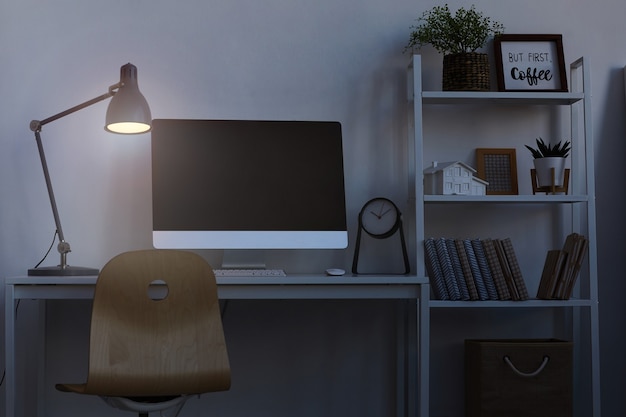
<point>378,216</point>
<point>388,210</point>
<point>381,210</point>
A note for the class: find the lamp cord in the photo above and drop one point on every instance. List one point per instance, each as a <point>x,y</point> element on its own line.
<point>4,372</point>
<point>54,237</point>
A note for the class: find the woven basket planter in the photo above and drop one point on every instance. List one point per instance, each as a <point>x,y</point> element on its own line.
<point>466,72</point>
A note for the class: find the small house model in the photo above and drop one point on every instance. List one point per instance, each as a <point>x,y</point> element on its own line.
<point>453,178</point>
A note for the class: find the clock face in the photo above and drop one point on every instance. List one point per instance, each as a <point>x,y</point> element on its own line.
<point>380,217</point>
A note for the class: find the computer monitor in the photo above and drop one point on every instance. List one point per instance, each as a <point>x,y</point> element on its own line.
<point>248,184</point>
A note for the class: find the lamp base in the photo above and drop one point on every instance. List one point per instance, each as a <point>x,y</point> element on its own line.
<point>66,271</point>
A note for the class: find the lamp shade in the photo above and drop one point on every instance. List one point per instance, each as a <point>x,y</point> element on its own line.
<point>128,111</point>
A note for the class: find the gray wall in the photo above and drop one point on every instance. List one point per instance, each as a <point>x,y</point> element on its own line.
<point>325,60</point>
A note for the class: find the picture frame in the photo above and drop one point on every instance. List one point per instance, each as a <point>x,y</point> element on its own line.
<point>498,166</point>
<point>530,63</point>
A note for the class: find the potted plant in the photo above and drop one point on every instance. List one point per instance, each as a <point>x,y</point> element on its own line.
<point>457,37</point>
<point>548,157</point>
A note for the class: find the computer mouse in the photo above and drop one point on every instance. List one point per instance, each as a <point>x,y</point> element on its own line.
<point>335,272</point>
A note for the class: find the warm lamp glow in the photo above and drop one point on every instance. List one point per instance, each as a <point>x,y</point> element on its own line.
<point>128,128</point>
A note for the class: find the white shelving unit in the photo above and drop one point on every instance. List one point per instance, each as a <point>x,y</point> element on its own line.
<point>576,318</point>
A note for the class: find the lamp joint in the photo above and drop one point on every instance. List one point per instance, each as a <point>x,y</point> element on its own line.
<point>115,88</point>
<point>35,125</point>
<point>64,247</point>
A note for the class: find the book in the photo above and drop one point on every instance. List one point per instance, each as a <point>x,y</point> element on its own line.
<point>474,269</point>
<point>569,250</point>
<point>484,269</point>
<point>434,270</point>
<point>547,282</point>
<point>481,288</point>
<point>506,269</point>
<point>447,270</point>
<point>580,257</point>
<point>516,271</point>
<point>557,273</point>
<point>458,269</point>
<point>495,268</point>
<point>467,270</point>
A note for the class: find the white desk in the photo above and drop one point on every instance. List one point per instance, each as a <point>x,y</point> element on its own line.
<point>291,287</point>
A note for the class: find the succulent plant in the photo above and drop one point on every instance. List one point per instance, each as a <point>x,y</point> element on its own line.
<point>543,150</point>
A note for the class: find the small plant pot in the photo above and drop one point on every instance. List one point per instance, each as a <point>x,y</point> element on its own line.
<point>466,72</point>
<point>543,167</point>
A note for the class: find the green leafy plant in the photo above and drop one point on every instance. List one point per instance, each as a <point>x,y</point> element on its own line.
<point>543,150</point>
<point>466,31</point>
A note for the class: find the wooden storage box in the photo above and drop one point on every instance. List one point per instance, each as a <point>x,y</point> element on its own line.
<point>518,378</point>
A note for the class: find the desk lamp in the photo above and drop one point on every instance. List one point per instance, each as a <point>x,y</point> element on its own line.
<point>128,113</point>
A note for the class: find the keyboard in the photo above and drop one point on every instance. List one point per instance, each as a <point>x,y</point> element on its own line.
<point>249,273</point>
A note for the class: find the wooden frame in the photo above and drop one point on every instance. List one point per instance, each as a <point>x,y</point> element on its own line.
<point>530,63</point>
<point>498,166</point>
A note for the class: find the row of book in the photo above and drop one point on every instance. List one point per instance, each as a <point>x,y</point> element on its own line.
<point>474,269</point>
<point>562,267</point>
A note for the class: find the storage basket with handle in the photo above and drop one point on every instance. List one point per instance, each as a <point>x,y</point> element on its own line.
<point>518,378</point>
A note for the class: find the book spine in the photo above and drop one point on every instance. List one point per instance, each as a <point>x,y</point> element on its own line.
<point>502,288</point>
<point>481,288</point>
<point>458,269</point>
<point>506,269</point>
<point>548,275</point>
<point>484,269</point>
<point>434,270</point>
<point>447,269</point>
<point>580,257</point>
<point>569,250</point>
<point>467,270</point>
<point>516,271</point>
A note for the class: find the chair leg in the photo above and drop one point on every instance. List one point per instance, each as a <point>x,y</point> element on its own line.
<point>143,415</point>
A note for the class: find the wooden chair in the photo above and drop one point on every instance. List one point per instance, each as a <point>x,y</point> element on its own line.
<point>156,332</point>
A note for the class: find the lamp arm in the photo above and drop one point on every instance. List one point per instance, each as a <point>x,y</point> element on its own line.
<point>46,174</point>
<point>36,125</point>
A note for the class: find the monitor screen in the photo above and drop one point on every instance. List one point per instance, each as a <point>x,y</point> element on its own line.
<point>247,184</point>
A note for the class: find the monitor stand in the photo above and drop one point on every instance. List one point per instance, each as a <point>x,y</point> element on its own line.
<point>243,259</point>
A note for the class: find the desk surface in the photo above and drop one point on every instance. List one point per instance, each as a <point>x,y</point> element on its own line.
<point>300,286</point>
<point>291,279</point>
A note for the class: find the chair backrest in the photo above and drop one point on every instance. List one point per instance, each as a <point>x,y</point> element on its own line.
<point>142,345</point>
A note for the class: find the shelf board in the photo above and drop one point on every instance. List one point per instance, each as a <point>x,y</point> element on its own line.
<point>521,98</point>
<point>532,303</point>
<point>510,199</point>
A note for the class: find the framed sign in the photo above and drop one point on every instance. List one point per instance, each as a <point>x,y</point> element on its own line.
<point>499,168</point>
<point>530,63</point>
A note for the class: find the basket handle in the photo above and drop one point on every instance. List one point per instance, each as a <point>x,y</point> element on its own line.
<point>524,374</point>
